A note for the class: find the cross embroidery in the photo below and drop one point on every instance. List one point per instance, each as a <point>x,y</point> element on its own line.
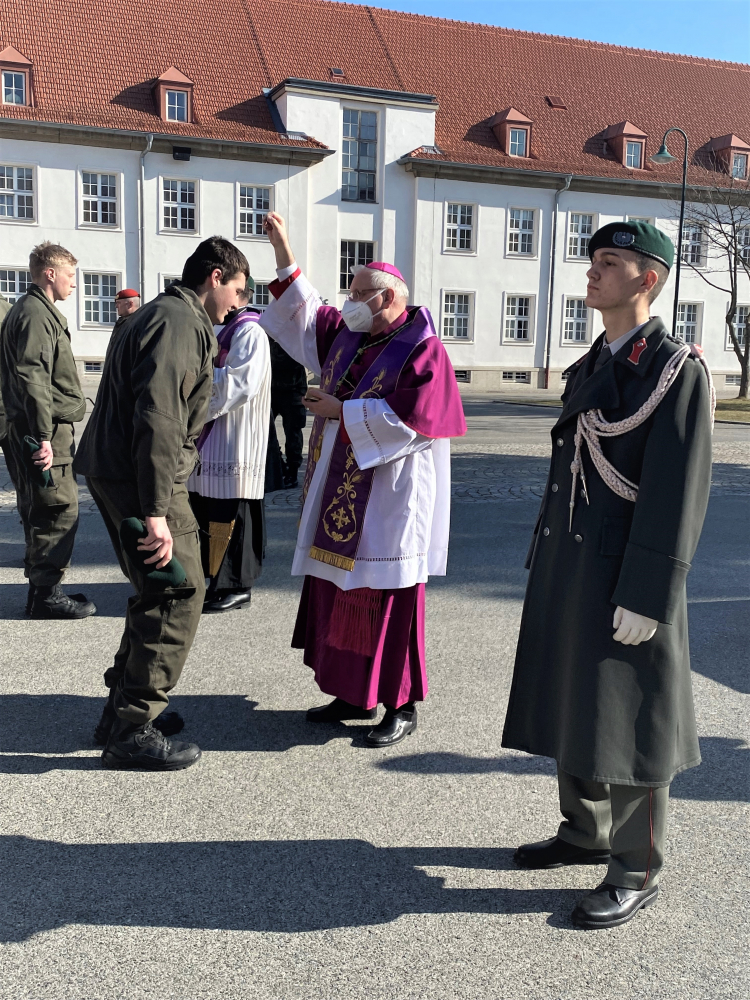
<point>340,517</point>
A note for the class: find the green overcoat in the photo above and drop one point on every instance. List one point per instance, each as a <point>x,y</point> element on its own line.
<point>605,711</point>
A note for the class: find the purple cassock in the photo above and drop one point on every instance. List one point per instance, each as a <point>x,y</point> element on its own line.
<point>366,644</point>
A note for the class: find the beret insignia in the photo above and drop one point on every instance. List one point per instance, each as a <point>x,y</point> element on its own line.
<point>623,239</point>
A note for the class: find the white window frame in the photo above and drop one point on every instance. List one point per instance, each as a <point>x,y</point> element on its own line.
<point>589,322</point>
<point>117,227</point>
<point>518,128</point>
<point>641,147</point>
<point>698,320</point>
<point>168,231</point>
<point>743,241</point>
<point>641,218</point>
<point>345,291</point>
<point>378,140</point>
<point>240,211</point>
<point>743,175</point>
<point>174,118</point>
<point>16,268</point>
<point>693,227</point>
<point>514,341</point>
<point>24,87</point>
<point>262,282</point>
<point>83,323</point>
<point>458,251</point>
<point>14,219</point>
<point>740,305</point>
<point>443,315</point>
<point>164,276</point>
<point>570,235</point>
<point>535,235</point>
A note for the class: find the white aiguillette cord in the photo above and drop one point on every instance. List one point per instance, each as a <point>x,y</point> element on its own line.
<point>591,426</point>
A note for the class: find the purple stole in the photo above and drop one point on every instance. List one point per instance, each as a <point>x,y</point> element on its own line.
<point>347,488</point>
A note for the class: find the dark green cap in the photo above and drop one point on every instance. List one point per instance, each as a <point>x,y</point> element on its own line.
<point>170,577</point>
<point>640,237</point>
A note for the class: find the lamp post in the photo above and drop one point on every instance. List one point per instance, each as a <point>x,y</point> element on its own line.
<point>664,156</point>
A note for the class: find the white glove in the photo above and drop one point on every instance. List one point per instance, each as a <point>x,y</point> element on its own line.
<point>632,629</point>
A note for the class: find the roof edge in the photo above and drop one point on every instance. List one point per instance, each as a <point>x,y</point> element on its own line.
<point>352,90</point>
<point>230,149</point>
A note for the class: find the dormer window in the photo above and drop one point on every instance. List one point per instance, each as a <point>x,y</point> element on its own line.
<point>513,131</point>
<point>634,155</point>
<point>15,77</point>
<point>174,96</point>
<point>730,154</point>
<point>14,87</point>
<point>739,166</point>
<point>628,144</point>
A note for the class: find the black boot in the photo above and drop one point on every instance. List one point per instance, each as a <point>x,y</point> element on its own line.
<point>144,748</point>
<point>30,598</point>
<point>290,477</point>
<point>227,600</point>
<point>168,723</point>
<point>556,853</point>
<point>396,725</point>
<point>51,602</point>
<point>611,905</point>
<point>338,710</point>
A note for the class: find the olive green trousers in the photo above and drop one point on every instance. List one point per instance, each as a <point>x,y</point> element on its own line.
<point>159,627</point>
<point>22,500</point>
<point>628,820</point>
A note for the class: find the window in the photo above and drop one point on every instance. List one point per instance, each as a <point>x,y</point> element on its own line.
<point>16,192</point>
<point>457,315</point>
<point>255,202</point>
<point>692,245</point>
<point>580,229</point>
<point>169,279</point>
<point>575,322</point>
<point>640,218</point>
<point>740,325</point>
<point>92,367</point>
<point>261,296</point>
<point>179,205</point>
<point>358,154</point>
<point>739,166</point>
<point>353,252</point>
<point>459,227</point>
<point>99,199</point>
<point>732,380</point>
<point>743,243</point>
<point>177,106</point>
<point>14,87</point>
<point>517,377</point>
<point>519,313</point>
<point>99,292</point>
<point>462,374</point>
<point>634,155</point>
<point>14,283</point>
<point>521,231</point>
<point>517,142</point>
<point>687,322</point>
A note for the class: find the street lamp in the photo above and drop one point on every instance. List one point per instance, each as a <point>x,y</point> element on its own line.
<point>664,156</point>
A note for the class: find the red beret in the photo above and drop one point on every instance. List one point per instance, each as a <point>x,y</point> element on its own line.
<point>128,293</point>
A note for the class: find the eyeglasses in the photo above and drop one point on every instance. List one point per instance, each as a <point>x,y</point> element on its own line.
<point>363,293</point>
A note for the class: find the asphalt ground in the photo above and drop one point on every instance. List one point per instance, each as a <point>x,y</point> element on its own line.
<point>292,861</point>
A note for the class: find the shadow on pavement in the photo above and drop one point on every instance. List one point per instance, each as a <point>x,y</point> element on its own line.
<point>290,886</point>
<point>724,774</point>
<point>718,642</point>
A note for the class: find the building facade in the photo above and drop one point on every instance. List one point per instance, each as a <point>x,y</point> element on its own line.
<point>488,216</point>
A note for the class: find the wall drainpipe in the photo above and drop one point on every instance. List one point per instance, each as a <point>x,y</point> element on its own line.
<point>550,302</point>
<point>141,222</point>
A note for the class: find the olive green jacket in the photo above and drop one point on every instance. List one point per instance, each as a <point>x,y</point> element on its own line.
<point>153,399</point>
<point>40,385</point>
<point>5,308</point>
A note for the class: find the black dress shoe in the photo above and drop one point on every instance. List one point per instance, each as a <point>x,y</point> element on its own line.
<point>168,723</point>
<point>51,602</point>
<point>145,749</point>
<point>395,726</point>
<point>555,853</point>
<point>30,598</point>
<point>338,710</point>
<point>227,600</point>
<point>611,905</point>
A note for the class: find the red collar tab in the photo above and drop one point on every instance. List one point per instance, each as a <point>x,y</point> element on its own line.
<point>638,348</point>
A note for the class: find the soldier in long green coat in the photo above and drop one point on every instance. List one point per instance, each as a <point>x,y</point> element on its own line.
<point>137,453</point>
<point>602,673</point>
<point>43,399</point>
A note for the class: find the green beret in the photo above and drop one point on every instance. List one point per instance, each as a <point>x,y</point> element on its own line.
<point>249,286</point>
<point>169,577</point>
<point>640,237</point>
<point>39,476</point>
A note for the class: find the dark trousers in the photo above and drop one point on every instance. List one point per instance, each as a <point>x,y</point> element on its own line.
<point>629,820</point>
<point>287,402</point>
<point>22,500</point>
<point>51,512</point>
<point>242,562</point>
<point>159,627</point>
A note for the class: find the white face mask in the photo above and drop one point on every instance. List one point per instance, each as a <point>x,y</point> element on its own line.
<point>357,316</point>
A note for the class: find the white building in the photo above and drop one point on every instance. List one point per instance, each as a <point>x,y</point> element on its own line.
<point>486,211</point>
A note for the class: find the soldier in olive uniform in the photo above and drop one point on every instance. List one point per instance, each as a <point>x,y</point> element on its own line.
<point>43,399</point>
<point>602,673</point>
<point>137,454</point>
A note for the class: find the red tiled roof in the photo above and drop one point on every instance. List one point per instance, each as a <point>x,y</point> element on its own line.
<point>98,69</point>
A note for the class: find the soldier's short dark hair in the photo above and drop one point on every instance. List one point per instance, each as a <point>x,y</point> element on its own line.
<point>644,264</point>
<point>213,253</point>
<point>47,255</point>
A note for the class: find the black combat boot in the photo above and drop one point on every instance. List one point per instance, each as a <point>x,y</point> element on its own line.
<point>51,602</point>
<point>144,748</point>
<point>168,723</point>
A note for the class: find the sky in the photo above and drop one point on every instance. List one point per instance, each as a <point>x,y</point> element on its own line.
<point>714,29</point>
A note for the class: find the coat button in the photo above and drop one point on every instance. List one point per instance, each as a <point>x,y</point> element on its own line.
<point>560,442</point>
<point>545,532</point>
<point>578,538</point>
<point>555,487</point>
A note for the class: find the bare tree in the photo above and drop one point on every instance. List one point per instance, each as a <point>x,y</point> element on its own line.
<point>716,246</point>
